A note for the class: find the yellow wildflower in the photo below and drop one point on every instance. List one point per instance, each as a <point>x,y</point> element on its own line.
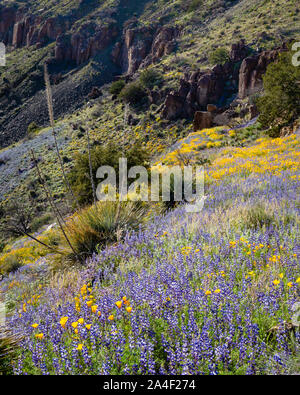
<point>63,321</point>
<point>94,308</point>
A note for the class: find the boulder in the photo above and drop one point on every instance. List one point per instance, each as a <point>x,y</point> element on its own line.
<point>173,106</point>
<point>211,108</point>
<point>95,93</point>
<point>202,120</point>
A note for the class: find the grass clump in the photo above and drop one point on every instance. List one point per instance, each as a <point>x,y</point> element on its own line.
<point>257,217</point>
<point>97,226</point>
<point>8,345</point>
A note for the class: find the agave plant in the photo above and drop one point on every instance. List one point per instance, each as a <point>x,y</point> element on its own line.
<point>102,224</point>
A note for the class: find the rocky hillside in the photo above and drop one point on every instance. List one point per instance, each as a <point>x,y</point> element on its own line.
<point>89,43</point>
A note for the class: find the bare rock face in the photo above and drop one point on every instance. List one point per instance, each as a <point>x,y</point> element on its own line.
<point>142,46</point>
<point>7,21</point>
<point>164,42</point>
<point>79,47</point>
<point>17,40</point>
<point>252,70</point>
<point>18,28</point>
<point>32,30</point>
<point>176,104</point>
<point>200,89</point>
<point>173,107</point>
<point>202,120</point>
<point>137,46</point>
<point>48,30</point>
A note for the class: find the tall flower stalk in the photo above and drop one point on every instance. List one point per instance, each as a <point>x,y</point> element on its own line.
<point>59,217</point>
<point>51,119</point>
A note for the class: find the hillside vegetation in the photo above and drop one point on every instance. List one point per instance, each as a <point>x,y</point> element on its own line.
<point>107,287</point>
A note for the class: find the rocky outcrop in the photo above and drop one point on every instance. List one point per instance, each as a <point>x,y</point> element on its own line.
<point>7,21</point>
<point>142,46</point>
<point>239,51</point>
<point>252,70</point>
<point>240,76</point>
<point>81,46</point>
<point>19,29</point>
<point>137,45</point>
<point>47,31</point>
<point>164,42</point>
<point>199,89</point>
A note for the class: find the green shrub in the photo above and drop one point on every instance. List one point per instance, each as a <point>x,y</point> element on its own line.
<point>194,5</point>
<point>116,87</point>
<point>2,245</point>
<point>32,128</point>
<point>11,264</point>
<point>150,77</point>
<point>102,156</point>
<point>280,105</point>
<point>257,217</point>
<point>133,93</point>
<point>40,221</point>
<point>219,56</point>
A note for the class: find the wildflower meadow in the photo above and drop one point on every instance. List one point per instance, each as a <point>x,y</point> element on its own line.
<point>214,292</point>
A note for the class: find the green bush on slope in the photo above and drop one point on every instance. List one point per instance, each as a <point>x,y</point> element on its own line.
<point>102,156</point>
<point>133,93</point>
<point>219,56</point>
<point>280,104</point>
